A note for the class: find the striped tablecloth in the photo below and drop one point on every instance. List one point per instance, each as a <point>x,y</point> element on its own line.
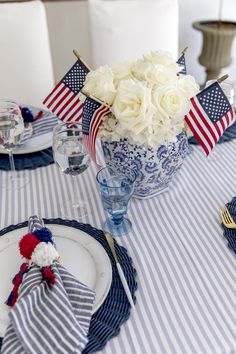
<point>186,299</point>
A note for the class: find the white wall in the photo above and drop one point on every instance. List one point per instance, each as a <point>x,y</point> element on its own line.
<point>69,29</point>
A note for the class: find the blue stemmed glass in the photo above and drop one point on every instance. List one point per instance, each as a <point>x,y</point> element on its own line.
<point>116,188</point>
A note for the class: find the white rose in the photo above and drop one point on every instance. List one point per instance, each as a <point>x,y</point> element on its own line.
<point>122,71</point>
<point>133,107</point>
<point>188,85</point>
<point>141,70</point>
<point>99,83</point>
<point>159,57</point>
<point>157,74</point>
<point>170,102</point>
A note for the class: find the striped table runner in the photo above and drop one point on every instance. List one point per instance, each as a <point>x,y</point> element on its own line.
<point>186,299</point>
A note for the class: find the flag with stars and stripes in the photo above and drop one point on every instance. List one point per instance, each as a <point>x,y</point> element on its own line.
<point>66,101</point>
<point>181,62</point>
<point>93,114</point>
<point>210,115</point>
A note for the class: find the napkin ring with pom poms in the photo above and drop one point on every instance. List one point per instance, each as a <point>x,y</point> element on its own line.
<point>37,248</point>
<point>29,118</point>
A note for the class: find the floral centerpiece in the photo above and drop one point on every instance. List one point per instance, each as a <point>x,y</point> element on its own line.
<point>148,100</point>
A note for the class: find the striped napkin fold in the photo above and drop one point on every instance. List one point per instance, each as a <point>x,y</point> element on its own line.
<point>42,122</point>
<point>49,319</point>
<point>35,223</point>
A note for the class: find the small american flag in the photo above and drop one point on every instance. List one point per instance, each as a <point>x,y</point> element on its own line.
<point>93,114</point>
<point>66,101</point>
<point>210,115</point>
<point>181,62</point>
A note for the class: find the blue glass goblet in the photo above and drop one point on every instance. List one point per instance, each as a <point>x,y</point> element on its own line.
<point>116,188</point>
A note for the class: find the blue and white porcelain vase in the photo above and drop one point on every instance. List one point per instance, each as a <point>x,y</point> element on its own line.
<point>155,168</point>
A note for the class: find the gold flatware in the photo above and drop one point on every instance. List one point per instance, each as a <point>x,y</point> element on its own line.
<point>227,218</point>
<point>110,241</point>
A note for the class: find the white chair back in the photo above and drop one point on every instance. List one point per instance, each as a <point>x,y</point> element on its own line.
<point>125,29</point>
<point>26,72</point>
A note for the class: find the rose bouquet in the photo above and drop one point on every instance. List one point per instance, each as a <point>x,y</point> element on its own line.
<point>148,99</point>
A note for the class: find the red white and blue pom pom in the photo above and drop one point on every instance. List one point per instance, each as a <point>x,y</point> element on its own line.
<point>27,245</point>
<point>43,235</point>
<point>44,254</point>
<point>37,248</point>
<point>28,115</point>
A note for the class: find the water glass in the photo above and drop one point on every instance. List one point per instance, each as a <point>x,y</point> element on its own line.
<point>11,132</point>
<point>72,158</point>
<point>116,189</point>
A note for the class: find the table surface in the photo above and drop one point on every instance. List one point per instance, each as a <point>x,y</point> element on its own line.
<point>186,300</point>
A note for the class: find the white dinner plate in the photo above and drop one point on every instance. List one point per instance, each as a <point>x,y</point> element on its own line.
<point>81,254</point>
<point>34,144</point>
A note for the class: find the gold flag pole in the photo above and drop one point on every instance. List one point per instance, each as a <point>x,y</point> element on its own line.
<point>99,101</point>
<point>222,78</point>
<point>95,98</point>
<point>78,56</point>
<point>184,51</point>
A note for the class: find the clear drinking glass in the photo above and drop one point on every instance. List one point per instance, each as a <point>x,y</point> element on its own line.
<point>11,131</point>
<point>72,158</point>
<point>116,189</point>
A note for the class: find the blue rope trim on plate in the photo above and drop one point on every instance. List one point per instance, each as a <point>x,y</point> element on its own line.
<point>115,310</point>
<point>28,161</point>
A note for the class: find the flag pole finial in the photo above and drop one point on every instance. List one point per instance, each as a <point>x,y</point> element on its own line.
<point>78,56</point>
<point>76,53</point>
<point>222,78</point>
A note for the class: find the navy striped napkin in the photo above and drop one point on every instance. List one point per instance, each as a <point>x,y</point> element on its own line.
<point>35,223</point>
<point>49,319</point>
<point>43,125</point>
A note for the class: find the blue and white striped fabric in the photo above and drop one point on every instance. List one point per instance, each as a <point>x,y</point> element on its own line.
<point>43,125</point>
<point>48,320</point>
<point>35,223</point>
<point>186,297</point>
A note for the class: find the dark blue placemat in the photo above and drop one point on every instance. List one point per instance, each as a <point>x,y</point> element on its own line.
<point>28,161</point>
<point>228,135</point>
<point>230,234</point>
<point>115,310</point>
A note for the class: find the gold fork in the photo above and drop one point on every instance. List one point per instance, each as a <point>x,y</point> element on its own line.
<point>227,218</point>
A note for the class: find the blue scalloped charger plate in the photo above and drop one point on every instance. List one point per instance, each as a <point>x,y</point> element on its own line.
<point>28,161</point>
<point>115,310</point>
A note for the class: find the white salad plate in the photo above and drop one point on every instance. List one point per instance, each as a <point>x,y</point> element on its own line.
<point>34,144</point>
<point>81,255</point>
